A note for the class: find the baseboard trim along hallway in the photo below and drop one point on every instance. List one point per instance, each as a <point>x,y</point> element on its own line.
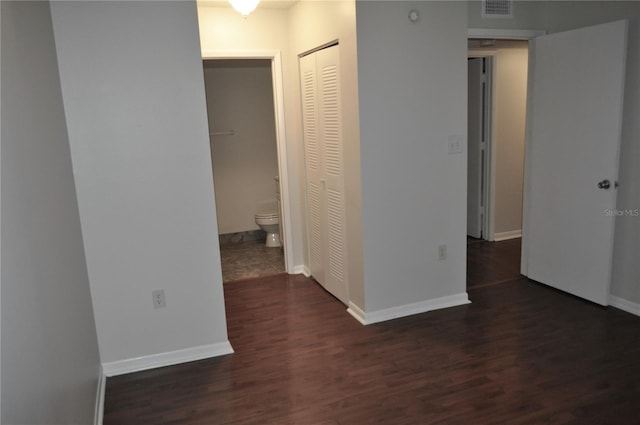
<point>170,358</point>
<point>624,305</point>
<point>407,309</point>
<point>504,236</point>
<point>302,269</point>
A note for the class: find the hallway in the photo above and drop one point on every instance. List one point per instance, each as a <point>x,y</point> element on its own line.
<point>491,263</point>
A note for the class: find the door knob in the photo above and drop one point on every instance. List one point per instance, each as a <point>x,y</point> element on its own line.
<point>604,184</point>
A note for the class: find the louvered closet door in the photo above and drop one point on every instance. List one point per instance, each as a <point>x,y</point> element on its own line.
<point>324,162</point>
<point>330,118</point>
<point>313,164</point>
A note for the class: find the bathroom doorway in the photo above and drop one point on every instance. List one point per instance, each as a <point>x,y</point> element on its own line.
<point>246,170</point>
<point>497,109</point>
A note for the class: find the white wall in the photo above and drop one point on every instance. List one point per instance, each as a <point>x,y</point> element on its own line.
<point>133,90</point>
<point>240,98</point>
<point>224,29</point>
<point>565,15</point>
<point>50,361</point>
<point>412,85</point>
<point>509,134</point>
<point>0,226</point>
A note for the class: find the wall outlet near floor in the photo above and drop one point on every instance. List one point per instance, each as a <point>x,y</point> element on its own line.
<point>442,252</point>
<point>158,298</point>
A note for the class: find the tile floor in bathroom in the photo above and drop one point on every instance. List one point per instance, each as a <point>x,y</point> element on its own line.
<point>249,259</point>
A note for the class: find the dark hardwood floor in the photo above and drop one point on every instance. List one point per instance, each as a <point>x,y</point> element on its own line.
<point>521,353</point>
<point>489,263</point>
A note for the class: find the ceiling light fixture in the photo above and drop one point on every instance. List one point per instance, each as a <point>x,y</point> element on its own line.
<point>244,7</point>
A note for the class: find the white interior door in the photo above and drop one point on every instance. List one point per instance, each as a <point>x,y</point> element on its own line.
<point>330,117</point>
<point>475,170</point>
<point>575,110</point>
<point>322,121</point>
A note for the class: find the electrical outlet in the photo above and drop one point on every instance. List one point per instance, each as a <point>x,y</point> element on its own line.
<point>158,298</point>
<point>455,144</point>
<point>442,252</point>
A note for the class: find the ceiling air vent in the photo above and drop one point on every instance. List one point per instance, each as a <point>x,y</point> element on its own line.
<point>497,8</point>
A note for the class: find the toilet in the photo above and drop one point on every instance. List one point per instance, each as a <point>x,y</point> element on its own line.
<point>269,222</point>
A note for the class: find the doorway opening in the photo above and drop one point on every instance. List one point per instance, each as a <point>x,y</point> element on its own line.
<point>246,151</point>
<point>497,110</point>
<point>574,117</point>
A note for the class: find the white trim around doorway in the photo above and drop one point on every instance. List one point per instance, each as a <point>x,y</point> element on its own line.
<point>281,141</point>
<point>476,33</point>
<point>489,184</point>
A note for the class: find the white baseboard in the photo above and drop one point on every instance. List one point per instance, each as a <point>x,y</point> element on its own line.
<point>624,305</point>
<point>407,309</point>
<point>302,269</point>
<point>503,236</point>
<point>99,406</point>
<point>153,361</point>
<point>357,313</point>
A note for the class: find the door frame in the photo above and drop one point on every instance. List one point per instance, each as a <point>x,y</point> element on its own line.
<point>504,34</point>
<point>488,176</point>
<point>281,140</point>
